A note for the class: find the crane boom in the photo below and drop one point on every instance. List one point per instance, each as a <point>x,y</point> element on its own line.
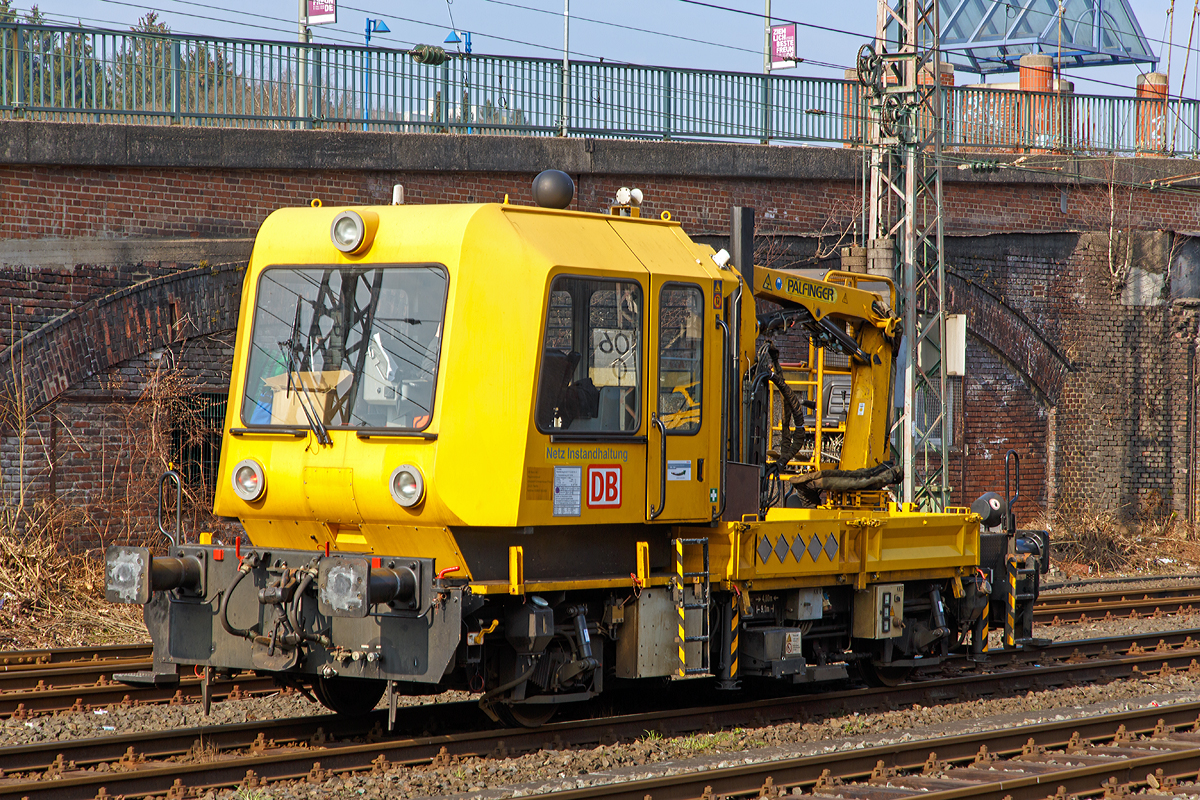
<point>839,315</point>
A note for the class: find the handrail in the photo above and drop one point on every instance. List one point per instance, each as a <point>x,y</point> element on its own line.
<point>1010,523</point>
<point>724,414</point>
<point>662,492</point>
<point>60,73</point>
<point>177,537</point>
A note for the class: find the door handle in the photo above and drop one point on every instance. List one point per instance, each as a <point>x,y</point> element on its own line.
<point>662,491</point>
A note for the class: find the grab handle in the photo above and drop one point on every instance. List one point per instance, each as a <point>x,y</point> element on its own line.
<point>177,536</point>
<point>1011,459</point>
<point>662,492</point>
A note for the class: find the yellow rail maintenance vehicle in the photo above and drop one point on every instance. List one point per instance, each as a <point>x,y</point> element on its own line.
<point>531,452</point>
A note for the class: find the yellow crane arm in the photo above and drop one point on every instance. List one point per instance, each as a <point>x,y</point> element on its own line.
<point>837,313</point>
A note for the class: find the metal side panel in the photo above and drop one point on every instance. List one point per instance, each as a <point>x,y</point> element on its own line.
<point>646,647</point>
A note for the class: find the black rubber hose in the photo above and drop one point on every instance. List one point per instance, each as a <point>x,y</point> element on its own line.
<point>232,631</point>
<point>294,618</point>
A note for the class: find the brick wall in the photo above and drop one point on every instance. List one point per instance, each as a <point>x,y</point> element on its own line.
<point>52,202</point>
<point>1121,414</point>
<point>98,450</point>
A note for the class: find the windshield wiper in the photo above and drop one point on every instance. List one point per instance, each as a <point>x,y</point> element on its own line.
<point>315,423</point>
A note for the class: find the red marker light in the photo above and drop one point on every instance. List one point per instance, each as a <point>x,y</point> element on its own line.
<point>219,554</point>
<point>376,562</point>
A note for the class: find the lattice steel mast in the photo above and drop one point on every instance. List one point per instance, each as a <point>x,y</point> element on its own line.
<point>902,75</point>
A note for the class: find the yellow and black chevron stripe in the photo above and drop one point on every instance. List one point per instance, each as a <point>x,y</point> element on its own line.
<point>682,627</point>
<point>734,624</point>
<point>1010,620</point>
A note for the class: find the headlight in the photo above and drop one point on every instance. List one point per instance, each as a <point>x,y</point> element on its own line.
<point>127,575</point>
<point>249,480</point>
<point>407,485</point>
<point>347,231</point>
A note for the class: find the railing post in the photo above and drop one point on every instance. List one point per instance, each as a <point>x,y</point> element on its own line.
<point>1113,126</point>
<point>1193,130</point>
<point>666,104</point>
<point>563,125</point>
<point>19,76</point>
<point>302,81</point>
<point>316,110</point>
<point>444,111</point>
<point>766,109</point>
<point>176,116</point>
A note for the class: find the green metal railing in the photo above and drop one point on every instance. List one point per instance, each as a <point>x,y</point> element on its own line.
<point>83,74</point>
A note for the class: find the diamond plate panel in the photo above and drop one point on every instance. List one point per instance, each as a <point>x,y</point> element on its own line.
<point>781,548</point>
<point>831,547</point>
<point>814,547</point>
<point>764,550</point>
<point>798,548</point>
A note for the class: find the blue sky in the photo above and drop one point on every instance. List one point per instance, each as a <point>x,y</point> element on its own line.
<point>661,32</point>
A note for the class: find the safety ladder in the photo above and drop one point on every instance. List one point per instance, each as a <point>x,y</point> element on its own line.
<point>700,604</point>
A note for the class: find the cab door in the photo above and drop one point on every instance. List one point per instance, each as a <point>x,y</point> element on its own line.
<point>683,363</point>
<point>679,457</point>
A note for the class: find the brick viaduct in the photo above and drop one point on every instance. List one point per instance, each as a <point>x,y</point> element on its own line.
<point>124,243</point>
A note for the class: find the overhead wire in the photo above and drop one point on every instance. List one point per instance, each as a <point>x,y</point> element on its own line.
<point>663,34</point>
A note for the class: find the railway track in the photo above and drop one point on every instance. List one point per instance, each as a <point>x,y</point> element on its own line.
<point>43,681</point>
<point>1088,606</point>
<point>79,679</point>
<point>247,754</point>
<point>1155,747</point>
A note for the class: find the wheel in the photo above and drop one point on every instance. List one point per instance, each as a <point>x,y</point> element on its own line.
<point>882,675</point>
<point>869,67</point>
<point>350,696</point>
<point>526,715</point>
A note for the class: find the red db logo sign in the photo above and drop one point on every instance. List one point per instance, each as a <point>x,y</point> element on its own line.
<point>604,486</point>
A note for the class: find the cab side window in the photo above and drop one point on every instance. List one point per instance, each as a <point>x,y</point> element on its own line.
<point>591,370</point>
<point>680,357</point>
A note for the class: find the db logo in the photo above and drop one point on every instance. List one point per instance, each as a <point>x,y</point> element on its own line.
<point>604,486</point>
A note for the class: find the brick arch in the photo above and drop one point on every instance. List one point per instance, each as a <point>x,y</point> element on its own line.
<point>1008,333</point>
<point>104,332</point>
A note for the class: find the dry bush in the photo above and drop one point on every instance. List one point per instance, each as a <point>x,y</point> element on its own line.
<point>51,595</point>
<point>52,590</point>
<point>1148,538</point>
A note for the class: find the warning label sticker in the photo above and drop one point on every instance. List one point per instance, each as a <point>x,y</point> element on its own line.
<point>538,483</point>
<point>568,491</point>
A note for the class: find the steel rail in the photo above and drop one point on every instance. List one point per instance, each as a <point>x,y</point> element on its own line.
<point>1118,595</point>
<point>1067,613</point>
<point>1132,579</point>
<point>98,695</point>
<point>47,657</point>
<point>297,762</point>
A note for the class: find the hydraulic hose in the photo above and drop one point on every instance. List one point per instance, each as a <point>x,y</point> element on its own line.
<point>485,702</point>
<point>293,613</point>
<point>242,572</point>
<point>293,609</point>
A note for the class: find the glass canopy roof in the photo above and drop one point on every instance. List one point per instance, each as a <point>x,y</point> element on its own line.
<point>988,36</point>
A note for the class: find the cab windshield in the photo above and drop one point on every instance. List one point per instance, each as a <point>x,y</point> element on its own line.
<point>345,347</point>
